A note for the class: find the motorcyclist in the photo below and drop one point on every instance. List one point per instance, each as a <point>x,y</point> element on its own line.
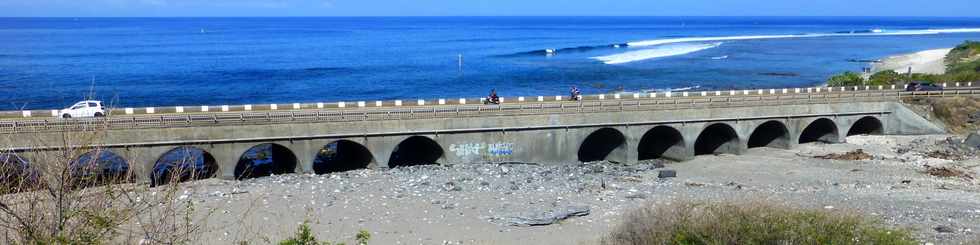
<point>493,98</point>
<point>575,93</point>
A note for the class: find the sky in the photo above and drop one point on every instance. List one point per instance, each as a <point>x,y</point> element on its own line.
<point>221,8</point>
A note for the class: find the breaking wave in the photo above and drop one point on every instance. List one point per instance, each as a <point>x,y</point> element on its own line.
<point>874,32</point>
<point>579,49</point>
<point>655,52</point>
<point>671,89</point>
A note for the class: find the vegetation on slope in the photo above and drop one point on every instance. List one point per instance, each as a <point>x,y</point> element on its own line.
<point>962,65</point>
<point>749,223</point>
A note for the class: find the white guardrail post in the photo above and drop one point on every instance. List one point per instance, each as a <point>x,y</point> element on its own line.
<point>867,90</point>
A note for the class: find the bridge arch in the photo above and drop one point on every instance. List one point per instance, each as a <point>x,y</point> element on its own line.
<point>820,130</point>
<point>97,167</point>
<point>341,156</point>
<point>181,164</point>
<point>264,160</point>
<point>717,138</point>
<point>16,174</point>
<point>661,142</point>
<point>770,134</point>
<point>599,144</point>
<point>866,125</point>
<point>416,150</point>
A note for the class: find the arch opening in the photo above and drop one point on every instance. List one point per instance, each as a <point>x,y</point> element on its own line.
<point>265,160</point>
<point>183,164</point>
<point>99,167</point>
<point>661,142</point>
<point>599,144</point>
<point>770,134</point>
<point>414,151</point>
<point>716,138</point>
<point>821,130</point>
<point>866,126</point>
<point>341,156</point>
<point>16,174</point>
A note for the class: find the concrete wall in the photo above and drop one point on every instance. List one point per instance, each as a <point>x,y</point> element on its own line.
<point>546,139</point>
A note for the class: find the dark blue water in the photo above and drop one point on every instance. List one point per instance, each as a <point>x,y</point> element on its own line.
<point>52,62</point>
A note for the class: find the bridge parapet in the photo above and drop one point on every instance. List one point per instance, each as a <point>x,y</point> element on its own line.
<point>129,111</point>
<point>230,116</point>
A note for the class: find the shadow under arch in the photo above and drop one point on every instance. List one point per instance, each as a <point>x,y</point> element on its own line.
<point>770,134</point>
<point>414,151</point>
<point>717,138</point>
<point>599,144</point>
<point>16,174</point>
<point>868,125</point>
<point>820,130</point>
<point>181,164</point>
<point>661,142</point>
<point>265,160</point>
<point>98,167</point>
<point>341,156</point>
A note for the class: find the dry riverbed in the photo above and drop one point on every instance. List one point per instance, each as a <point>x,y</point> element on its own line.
<point>478,203</point>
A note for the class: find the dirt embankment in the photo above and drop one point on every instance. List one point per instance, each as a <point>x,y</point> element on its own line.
<point>959,115</point>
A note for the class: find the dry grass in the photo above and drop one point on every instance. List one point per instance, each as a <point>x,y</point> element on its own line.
<point>749,223</point>
<point>855,155</point>
<point>65,198</point>
<point>958,114</point>
<point>948,172</point>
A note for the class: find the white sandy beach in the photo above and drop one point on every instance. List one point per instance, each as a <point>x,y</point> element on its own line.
<point>928,61</point>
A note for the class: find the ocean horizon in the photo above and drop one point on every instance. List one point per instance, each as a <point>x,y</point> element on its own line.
<point>50,62</point>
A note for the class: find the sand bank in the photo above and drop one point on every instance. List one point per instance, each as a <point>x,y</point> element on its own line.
<point>928,61</point>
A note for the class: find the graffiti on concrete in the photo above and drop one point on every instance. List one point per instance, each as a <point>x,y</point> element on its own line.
<point>492,151</point>
<point>501,149</point>
<point>464,150</point>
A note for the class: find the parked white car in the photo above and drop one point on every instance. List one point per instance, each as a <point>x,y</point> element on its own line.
<point>88,108</point>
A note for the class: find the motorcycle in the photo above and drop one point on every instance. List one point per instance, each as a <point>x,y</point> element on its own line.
<point>492,100</point>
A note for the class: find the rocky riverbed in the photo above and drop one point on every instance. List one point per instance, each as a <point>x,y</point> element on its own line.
<point>897,181</point>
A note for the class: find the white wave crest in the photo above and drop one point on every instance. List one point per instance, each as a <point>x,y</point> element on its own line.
<point>671,89</point>
<point>657,52</point>
<point>876,32</point>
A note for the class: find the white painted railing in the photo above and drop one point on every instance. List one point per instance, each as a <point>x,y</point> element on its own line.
<point>463,101</point>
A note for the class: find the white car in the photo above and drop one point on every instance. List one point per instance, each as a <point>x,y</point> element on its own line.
<point>88,108</point>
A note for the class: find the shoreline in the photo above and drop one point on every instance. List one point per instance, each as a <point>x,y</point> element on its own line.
<point>926,61</point>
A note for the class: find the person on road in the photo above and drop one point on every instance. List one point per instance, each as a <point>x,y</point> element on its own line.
<point>493,98</point>
<point>575,93</point>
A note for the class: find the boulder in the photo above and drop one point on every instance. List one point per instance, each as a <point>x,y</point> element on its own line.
<point>973,140</point>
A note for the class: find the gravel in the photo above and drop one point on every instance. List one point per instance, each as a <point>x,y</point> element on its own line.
<point>578,203</point>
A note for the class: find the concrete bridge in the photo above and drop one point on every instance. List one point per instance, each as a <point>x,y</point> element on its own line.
<point>620,128</point>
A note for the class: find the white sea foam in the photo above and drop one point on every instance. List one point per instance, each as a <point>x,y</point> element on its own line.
<point>673,50</point>
<point>876,32</point>
<point>655,52</point>
<point>671,89</point>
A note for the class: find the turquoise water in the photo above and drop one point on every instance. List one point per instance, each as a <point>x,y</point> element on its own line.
<point>52,62</point>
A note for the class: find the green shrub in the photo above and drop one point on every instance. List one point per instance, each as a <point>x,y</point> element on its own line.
<point>846,79</point>
<point>966,52</point>
<point>749,223</point>
<point>304,236</point>
<point>963,63</point>
<point>888,77</point>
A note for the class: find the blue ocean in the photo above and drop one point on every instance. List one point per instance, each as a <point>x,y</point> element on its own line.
<point>52,62</point>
